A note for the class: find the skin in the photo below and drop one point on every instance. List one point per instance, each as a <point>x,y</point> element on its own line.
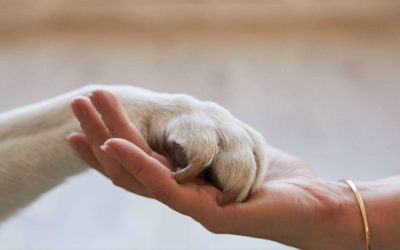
<point>293,207</point>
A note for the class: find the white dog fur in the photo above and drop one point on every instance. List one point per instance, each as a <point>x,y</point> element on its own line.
<point>36,157</point>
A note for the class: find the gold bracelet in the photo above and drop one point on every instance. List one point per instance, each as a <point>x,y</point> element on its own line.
<point>363,211</point>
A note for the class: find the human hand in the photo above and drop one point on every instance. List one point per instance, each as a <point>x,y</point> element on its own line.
<point>97,129</point>
<point>293,206</point>
<point>200,136</point>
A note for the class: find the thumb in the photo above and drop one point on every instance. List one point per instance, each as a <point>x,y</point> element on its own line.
<point>154,176</point>
<point>198,202</point>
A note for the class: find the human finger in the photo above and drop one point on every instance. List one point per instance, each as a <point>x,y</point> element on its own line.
<point>96,132</point>
<point>81,145</point>
<point>116,119</point>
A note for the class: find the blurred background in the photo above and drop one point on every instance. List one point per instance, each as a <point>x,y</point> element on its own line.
<point>319,79</point>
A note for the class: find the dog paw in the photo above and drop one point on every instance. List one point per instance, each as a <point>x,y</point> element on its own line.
<point>204,138</point>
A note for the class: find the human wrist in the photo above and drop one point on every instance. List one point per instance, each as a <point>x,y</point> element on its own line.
<point>328,219</point>
<point>338,222</point>
<point>382,201</point>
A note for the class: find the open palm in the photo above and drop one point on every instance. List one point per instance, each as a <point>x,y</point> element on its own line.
<point>283,209</point>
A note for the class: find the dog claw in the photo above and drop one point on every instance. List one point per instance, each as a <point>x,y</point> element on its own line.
<point>226,197</point>
<point>188,173</point>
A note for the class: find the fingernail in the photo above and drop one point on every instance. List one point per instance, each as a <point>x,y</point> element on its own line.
<point>69,135</point>
<point>110,151</point>
<point>71,143</point>
<point>76,110</point>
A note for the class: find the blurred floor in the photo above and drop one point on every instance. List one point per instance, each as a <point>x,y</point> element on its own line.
<point>329,96</point>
